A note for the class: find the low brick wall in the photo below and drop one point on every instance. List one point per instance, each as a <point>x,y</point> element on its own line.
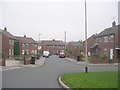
<point>2,63</point>
<point>102,61</point>
<point>28,61</point>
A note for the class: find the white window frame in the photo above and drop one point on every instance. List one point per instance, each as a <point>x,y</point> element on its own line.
<point>111,36</point>
<point>9,41</point>
<point>105,38</point>
<point>23,51</point>
<point>9,51</point>
<point>12,41</point>
<point>35,45</point>
<point>27,45</point>
<point>23,45</point>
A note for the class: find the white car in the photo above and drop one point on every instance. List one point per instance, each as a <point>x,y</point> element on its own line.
<point>46,54</point>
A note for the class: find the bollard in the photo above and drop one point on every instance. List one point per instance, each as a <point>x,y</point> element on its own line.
<point>86,69</point>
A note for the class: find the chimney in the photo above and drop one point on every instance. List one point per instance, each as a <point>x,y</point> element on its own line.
<point>114,24</point>
<point>53,39</point>
<point>24,36</point>
<point>5,29</point>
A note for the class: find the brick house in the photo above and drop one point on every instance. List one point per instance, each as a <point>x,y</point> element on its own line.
<point>53,46</point>
<point>0,44</point>
<point>91,43</point>
<point>7,43</point>
<point>27,44</point>
<point>106,43</point>
<point>74,48</point>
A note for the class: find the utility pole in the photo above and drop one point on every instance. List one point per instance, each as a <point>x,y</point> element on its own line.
<point>65,37</point>
<point>39,42</point>
<point>65,41</point>
<point>86,57</point>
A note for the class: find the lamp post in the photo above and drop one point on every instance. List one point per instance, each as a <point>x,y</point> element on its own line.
<point>25,52</point>
<point>39,43</point>
<point>65,42</point>
<point>86,57</point>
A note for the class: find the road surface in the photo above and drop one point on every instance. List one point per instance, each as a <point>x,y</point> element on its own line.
<point>46,76</point>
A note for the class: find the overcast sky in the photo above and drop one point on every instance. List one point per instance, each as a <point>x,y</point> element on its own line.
<point>52,18</point>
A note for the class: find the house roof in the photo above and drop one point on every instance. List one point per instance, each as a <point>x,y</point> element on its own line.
<point>8,34</point>
<point>76,44</point>
<point>109,31</point>
<point>53,42</point>
<point>26,39</point>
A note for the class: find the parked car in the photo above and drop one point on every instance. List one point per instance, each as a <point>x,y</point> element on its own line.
<point>62,55</point>
<point>46,54</point>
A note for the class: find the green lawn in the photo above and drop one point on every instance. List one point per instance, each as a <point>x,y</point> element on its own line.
<point>91,80</point>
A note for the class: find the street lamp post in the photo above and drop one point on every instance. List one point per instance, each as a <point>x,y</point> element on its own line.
<point>65,42</point>
<point>39,43</point>
<point>24,53</point>
<point>86,57</point>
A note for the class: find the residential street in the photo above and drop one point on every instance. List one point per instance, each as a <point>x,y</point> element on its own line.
<point>46,76</point>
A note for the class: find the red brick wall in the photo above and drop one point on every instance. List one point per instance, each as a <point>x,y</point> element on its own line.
<point>30,48</point>
<point>54,49</point>
<point>105,45</point>
<point>90,42</point>
<point>5,45</point>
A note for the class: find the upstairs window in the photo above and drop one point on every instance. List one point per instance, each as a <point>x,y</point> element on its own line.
<point>22,45</point>
<point>27,45</point>
<point>96,40</point>
<point>32,45</point>
<point>36,45</point>
<point>23,51</point>
<point>10,41</point>
<point>106,39</point>
<point>111,38</point>
<point>99,39</point>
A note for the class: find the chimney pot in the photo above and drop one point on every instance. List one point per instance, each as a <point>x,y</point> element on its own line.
<point>114,24</point>
<point>24,36</point>
<point>5,29</point>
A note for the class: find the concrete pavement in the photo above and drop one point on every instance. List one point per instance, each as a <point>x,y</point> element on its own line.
<point>16,64</point>
<point>84,63</point>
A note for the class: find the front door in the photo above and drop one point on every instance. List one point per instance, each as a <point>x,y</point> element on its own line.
<point>111,54</point>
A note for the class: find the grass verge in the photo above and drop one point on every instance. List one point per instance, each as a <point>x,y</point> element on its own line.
<point>91,80</point>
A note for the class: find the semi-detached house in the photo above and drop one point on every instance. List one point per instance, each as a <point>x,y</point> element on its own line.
<point>107,43</point>
<point>7,43</point>
<point>27,44</point>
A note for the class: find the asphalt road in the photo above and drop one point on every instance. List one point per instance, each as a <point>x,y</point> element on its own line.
<point>46,76</point>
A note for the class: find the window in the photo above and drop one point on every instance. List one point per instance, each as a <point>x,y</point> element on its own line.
<point>27,45</point>
<point>106,39</point>
<point>99,39</point>
<point>23,51</point>
<point>10,41</point>
<point>111,38</point>
<point>10,51</point>
<point>106,52</point>
<point>35,51</point>
<point>96,40</point>
<point>32,52</point>
<point>36,45</point>
<point>23,45</point>
<point>32,45</point>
